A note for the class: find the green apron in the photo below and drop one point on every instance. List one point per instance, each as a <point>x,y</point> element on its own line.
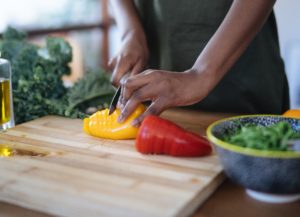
<point>178,30</point>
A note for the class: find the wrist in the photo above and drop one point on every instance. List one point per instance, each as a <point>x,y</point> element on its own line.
<point>136,39</point>
<point>203,79</point>
<point>134,34</point>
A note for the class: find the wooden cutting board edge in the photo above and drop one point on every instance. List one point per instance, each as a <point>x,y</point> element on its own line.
<point>190,208</point>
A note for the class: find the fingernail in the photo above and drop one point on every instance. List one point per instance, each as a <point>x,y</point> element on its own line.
<point>122,106</point>
<point>135,123</point>
<point>121,118</point>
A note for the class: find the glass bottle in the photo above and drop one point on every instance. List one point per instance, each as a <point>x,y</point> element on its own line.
<point>6,103</point>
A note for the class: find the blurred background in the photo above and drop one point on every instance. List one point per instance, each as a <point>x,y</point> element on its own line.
<point>89,27</point>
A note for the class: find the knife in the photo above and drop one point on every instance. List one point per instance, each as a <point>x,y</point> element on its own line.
<point>114,101</point>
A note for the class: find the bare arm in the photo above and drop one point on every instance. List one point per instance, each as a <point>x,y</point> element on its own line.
<point>134,53</point>
<point>166,89</point>
<point>244,19</point>
<point>126,18</point>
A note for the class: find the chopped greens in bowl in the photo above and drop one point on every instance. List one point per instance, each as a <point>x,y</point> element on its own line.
<point>272,133</point>
<point>254,152</point>
<point>272,137</point>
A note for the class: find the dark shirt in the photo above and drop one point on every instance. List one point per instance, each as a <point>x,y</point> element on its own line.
<point>178,30</point>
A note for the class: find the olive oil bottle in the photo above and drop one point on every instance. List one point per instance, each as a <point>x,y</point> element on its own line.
<point>4,101</point>
<point>6,104</point>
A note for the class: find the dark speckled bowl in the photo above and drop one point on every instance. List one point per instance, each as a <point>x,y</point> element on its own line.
<point>271,176</point>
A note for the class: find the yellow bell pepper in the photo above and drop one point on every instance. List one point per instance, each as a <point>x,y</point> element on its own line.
<point>102,125</point>
<point>292,113</point>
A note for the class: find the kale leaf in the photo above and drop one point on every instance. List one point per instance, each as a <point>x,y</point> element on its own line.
<point>38,89</point>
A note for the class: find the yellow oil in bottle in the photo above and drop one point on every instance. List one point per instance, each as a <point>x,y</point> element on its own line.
<point>4,100</point>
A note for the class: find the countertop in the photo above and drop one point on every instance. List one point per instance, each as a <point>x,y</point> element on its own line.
<point>228,200</point>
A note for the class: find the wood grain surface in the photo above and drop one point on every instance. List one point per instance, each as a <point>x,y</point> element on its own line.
<point>85,176</point>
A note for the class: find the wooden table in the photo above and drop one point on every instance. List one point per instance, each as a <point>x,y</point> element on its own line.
<point>229,199</point>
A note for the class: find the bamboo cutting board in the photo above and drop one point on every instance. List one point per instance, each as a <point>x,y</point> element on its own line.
<point>62,171</point>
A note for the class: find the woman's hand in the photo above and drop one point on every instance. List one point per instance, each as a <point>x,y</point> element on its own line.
<point>132,58</point>
<point>164,89</point>
<point>134,53</point>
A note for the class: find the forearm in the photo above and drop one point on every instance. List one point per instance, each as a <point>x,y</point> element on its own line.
<point>127,19</point>
<point>244,19</point>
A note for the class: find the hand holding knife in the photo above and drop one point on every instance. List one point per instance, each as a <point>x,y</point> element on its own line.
<point>115,99</point>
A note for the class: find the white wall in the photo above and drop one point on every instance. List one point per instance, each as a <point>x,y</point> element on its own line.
<point>288,19</point>
<point>27,12</point>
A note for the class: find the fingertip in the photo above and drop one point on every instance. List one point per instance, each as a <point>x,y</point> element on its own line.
<point>121,118</point>
<point>124,115</point>
<point>136,122</point>
<point>113,81</point>
<point>119,74</point>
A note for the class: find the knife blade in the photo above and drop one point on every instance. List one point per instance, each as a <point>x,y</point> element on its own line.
<point>114,101</point>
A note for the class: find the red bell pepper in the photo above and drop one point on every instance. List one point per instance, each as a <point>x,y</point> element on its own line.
<point>160,136</point>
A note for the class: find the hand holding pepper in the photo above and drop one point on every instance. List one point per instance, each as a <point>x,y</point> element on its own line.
<point>165,89</point>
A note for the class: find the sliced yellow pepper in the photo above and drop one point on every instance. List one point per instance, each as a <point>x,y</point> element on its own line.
<point>102,125</point>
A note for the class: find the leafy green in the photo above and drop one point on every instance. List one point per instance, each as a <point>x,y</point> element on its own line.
<point>94,90</point>
<point>273,137</point>
<point>38,89</point>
